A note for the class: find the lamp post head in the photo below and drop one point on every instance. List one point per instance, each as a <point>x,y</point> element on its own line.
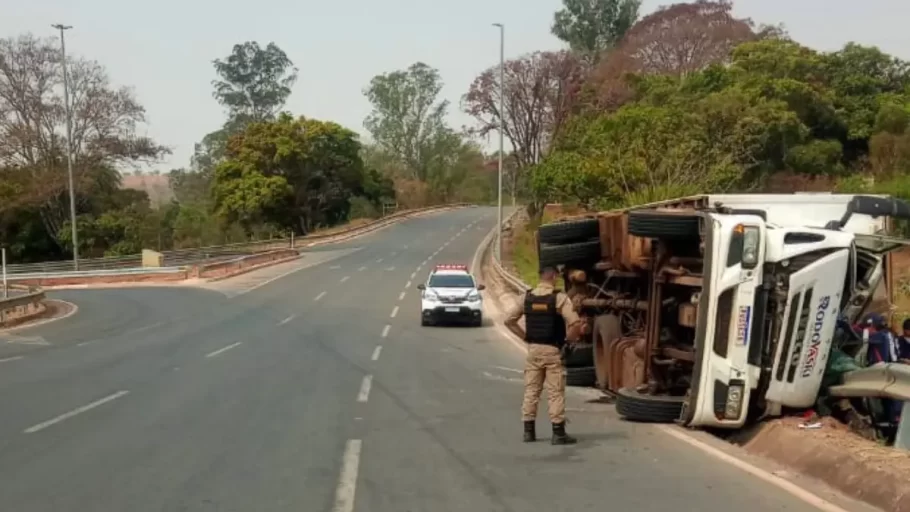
<point>60,26</point>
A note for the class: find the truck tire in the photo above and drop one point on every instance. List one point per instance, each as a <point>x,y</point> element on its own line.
<point>580,377</point>
<point>655,224</point>
<point>634,406</point>
<point>580,355</point>
<point>569,254</point>
<point>569,231</point>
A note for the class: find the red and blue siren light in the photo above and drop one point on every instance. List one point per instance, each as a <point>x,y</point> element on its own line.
<point>451,266</point>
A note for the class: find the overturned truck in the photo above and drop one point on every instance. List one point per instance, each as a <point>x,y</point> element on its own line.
<point>710,310</point>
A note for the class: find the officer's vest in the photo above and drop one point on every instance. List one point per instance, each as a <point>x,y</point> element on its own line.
<point>544,324</point>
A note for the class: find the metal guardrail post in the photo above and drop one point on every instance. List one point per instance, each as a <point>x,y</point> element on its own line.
<point>3,264</point>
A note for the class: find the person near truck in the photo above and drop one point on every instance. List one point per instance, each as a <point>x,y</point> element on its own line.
<point>882,345</point>
<point>550,321</point>
<point>903,344</point>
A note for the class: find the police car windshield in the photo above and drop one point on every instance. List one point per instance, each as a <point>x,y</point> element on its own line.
<point>451,281</point>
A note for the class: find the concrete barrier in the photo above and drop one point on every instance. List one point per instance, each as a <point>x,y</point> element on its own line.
<point>21,308</point>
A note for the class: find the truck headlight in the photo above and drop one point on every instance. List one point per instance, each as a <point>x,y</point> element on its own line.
<point>751,240</point>
<point>734,405</point>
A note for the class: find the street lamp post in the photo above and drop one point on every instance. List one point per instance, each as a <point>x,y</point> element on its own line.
<point>69,142</point>
<point>502,93</point>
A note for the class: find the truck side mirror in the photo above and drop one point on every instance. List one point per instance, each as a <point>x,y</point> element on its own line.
<point>421,286</point>
<point>481,287</point>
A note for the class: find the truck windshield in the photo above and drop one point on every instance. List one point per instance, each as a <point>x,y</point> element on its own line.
<point>451,281</point>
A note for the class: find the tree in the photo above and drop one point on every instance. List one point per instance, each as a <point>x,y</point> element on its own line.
<point>407,120</point>
<point>293,173</point>
<point>591,27</point>
<point>254,83</point>
<point>32,130</point>
<point>539,92</point>
<point>683,38</point>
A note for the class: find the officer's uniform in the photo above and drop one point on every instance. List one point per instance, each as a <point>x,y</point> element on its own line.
<point>547,313</point>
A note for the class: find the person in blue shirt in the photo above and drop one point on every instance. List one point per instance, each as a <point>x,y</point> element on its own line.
<point>882,348</point>
<point>903,344</point>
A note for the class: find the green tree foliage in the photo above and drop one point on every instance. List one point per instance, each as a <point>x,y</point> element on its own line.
<point>591,27</point>
<point>751,107</point>
<point>294,173</point>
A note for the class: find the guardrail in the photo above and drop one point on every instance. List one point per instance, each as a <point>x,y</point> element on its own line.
<point>184,257</point>
<point>21,306</point>
<point>514,282</point>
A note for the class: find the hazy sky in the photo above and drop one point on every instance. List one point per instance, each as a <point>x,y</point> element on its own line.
<point>164,48</point>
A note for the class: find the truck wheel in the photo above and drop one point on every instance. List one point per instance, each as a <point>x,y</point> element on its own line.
<point>569,231</point>
<point>569,254</point>
<point>580,377</point>
<point>580,355</point>
<point>634,406</point>
<point>655,224</point>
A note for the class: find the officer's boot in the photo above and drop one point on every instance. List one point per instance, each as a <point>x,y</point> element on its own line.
<point>530,434</point>
<point>560,436</point>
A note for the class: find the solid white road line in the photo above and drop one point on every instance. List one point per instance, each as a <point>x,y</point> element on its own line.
<point>8,359</point>
<point>505,368</point>
<point>74,412</point>
<point>376,352</point>
<point>223,349</point>
<point>345,278</point>
<point>385,330</point>
<point>347,480</point>
<point>286,320</point>
<point>401,296</point>
<point>321,295</point>
<point>365,386</point>
<point>394,312</point>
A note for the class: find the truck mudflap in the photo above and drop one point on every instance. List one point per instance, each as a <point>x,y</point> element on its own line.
<point>722,380</point>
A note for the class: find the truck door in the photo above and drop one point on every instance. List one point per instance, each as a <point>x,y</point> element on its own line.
<point>816,284</point>
<point>722,380</point>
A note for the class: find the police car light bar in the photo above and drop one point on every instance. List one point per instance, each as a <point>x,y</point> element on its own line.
<point>449,266</point>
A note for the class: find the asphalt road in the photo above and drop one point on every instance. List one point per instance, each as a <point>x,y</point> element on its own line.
<point>310,386</point>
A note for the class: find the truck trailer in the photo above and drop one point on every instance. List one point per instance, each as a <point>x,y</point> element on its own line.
<point>714,309</point>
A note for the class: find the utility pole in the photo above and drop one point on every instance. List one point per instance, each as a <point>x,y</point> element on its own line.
<point>502,93</point>
<point>69,142</point>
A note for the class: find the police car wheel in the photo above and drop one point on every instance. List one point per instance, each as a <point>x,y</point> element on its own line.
<point>638,407</point>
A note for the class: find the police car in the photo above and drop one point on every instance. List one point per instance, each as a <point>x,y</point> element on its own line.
<point>450,294</point>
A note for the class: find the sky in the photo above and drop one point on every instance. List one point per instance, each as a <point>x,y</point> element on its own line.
<point>164,49</point>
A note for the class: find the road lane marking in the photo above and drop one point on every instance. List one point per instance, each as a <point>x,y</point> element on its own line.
<point>321,295</point>
<point>394,312</point>
<point>407,285</point>
<point>335,267</point>
<point>286,320</point>
<point>347,480</point>
<point>413,274</point>
<point>390,269</point>
<point>385,330</point>
<point>365,386</point>
<point>223,349</point>
<point>505,368</point>
<point>361,269</point>
<point>376,352</point>
<point>74,412</point>
<point>401,296</point>
<point>379,260</point>
<point>84,343</point>
<point>8,359</point>
<point>345,278</point>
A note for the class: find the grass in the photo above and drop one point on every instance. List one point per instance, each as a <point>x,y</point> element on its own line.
<point>524,248</point>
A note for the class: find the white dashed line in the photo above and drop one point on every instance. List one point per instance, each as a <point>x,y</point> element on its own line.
<point>394,312</point>
<point>224,349</point>
<point>84,343</point>
<point>413,274</point>
<point>345,278</point>
<point>14,358</point>
<point>385,330</point>
<point>365,386</point>
<point>286,320</point>
<point>347,480</point>
<point>401,296</point>
<point>361,269</point>
<point>376,352</point>
<point>335,267</point>
<point>390,269</point>
<point>321,295</point>
<point>74,412</point>
<point>407,285</point>
<point>379,260</point>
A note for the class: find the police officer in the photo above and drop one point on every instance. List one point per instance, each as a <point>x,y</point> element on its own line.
<point>550,320</point>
